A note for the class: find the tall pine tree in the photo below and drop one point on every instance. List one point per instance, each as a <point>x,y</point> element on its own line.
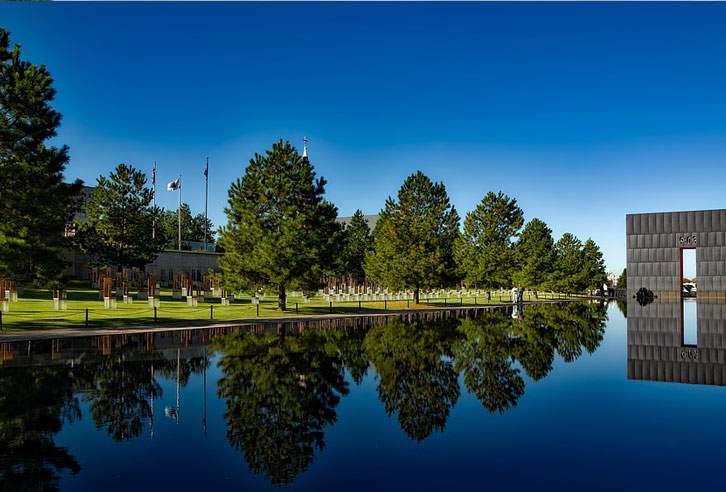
<point>594,274</point>
<point>484,250</point>
<point>118,231</point>
<point>413,240</point>
<point>35,204</point>
<point>280,229</point>
<point>568,272</point>
<point>358,240</point>
<point>535,255</point>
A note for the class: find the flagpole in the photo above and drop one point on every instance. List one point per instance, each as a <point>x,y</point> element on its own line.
<point>178,213</point>
<point>206,196</point>
<point>153,182</point>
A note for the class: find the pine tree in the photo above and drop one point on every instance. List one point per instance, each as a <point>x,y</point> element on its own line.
<point>35,204</point>
<point>358,240</point>
<point>594,274</point>
<point>535,255</point>
<point>192,227</point>
<point>622,282</point>
<point>120,221</point>
<point>414,238</point>
<point>484,250</point>
<point>280,230</point>
<point>567,274</point>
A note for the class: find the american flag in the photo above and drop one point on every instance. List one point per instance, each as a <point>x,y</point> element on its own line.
<point>206,170</point>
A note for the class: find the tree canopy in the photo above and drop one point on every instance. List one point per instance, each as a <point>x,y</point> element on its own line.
<point>35,204</point>
<point>357,241</point>
<point>578,266</point>
<point>535,255</point>
<point>622,281</point>
<point>280,229</point>
<point>120,221</point>
<point>192,227</point>
<point>413,240</point>
<point>484,250</point>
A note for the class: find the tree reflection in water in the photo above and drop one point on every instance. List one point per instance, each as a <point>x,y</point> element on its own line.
<point>35,402</point>
<point>280,393</point>
<point>492,345</point>
<point>416,377</point>
<point>120,389</point>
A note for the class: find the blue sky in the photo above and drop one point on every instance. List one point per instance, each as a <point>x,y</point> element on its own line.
<point>582,112</point>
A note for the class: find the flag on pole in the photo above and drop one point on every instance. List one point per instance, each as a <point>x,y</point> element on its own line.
<point>174,185</point>
<point>153,175</point>
<point>206,169</point>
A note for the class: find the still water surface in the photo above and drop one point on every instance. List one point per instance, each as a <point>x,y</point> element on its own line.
<point>561,397</point>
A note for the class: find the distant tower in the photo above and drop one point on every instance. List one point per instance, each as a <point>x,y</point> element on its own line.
<point>305,147</point>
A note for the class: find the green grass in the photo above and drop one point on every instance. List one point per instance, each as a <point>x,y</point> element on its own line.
<point>34,310</point>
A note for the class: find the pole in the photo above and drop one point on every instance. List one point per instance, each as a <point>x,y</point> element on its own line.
<point>178,213</point>
<point>153,182</point>
<point>206,195</point>
<point>204,419</point>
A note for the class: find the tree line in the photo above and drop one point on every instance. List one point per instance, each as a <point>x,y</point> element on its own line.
<point>281,232</point>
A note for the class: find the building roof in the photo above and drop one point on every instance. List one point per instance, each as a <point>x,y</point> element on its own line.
<point>370,219</point>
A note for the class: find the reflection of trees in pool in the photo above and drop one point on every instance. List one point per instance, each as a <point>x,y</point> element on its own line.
<point>280,392</point>
<point>415,372</point>
<point>120,391</point>
<point>491,346</point>
<point>35,402</point>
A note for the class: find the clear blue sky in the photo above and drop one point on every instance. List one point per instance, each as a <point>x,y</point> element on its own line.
<point>583,112</point>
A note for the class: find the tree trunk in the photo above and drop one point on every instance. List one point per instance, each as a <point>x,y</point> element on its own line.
<point>282,299</point>
<point>415,296</point>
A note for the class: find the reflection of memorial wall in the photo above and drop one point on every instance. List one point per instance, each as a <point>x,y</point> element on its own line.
<point>655,343</point>
<point>654,242</point>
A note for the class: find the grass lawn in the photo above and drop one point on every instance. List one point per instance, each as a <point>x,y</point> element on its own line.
<point>34,310</point>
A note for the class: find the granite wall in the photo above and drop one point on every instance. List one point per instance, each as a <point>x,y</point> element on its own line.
<point>654,243</point>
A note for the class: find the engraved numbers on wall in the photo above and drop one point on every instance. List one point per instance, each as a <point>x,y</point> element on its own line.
<point>689,240</point>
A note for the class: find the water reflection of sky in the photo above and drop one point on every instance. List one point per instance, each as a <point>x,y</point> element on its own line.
<point>584,424</point>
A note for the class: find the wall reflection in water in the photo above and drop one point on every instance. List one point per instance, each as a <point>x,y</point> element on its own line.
<point>666,342</point>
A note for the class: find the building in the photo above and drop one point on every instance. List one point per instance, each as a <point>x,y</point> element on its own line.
<point>372,220</point>
<point>655,245</point>
<point>193,260</point>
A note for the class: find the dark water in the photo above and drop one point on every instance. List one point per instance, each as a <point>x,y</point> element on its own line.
<point>556,398</point>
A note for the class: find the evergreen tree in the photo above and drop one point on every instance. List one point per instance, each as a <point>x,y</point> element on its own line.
<point>170,221</point>
<point>35,204</point>
<point>280,229</point>
<point>120,221</point>
<point>192,227</point>
<point>568,273</point>
<point>413,240</point>
<point>593,266</point>
<point>358,240</point>
<point>197,229</point>
<point>484,251</point>
<point>622,282</point>
<point>535,255</point>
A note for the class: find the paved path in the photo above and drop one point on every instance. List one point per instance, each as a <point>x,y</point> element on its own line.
<point>54,333</point>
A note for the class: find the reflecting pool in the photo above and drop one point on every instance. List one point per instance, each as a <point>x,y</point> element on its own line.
<point>554,397</point>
